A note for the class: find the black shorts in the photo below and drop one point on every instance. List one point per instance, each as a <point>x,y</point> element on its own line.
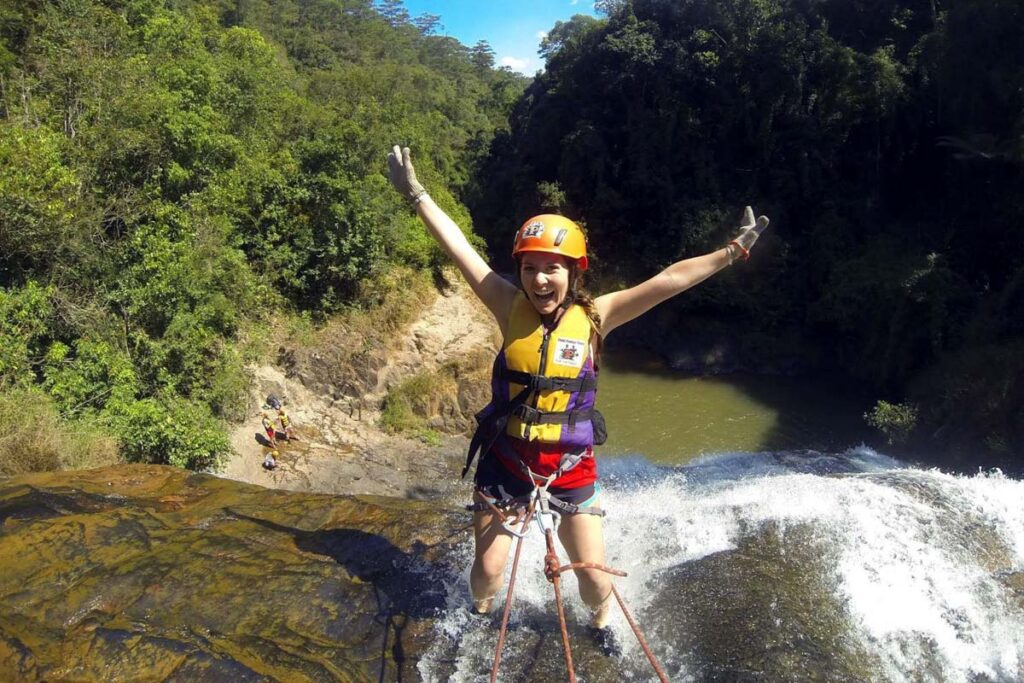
<point>494,480</point>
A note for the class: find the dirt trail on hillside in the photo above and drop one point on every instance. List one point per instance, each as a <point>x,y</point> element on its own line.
<point>340,448</point>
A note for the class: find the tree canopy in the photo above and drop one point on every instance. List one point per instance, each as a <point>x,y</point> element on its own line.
<point>171,172</point>
<point>885,139</point>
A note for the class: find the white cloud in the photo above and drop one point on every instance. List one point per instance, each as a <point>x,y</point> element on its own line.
<point>574,2</point>
<point>541,35</point>
<point>523,66</point>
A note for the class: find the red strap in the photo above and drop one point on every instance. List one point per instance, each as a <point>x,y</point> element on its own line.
<point>745,252</point>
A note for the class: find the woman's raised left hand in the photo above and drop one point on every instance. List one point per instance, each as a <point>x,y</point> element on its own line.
<point>750,230</point>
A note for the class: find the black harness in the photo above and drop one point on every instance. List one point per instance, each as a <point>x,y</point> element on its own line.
<point>493,419</point>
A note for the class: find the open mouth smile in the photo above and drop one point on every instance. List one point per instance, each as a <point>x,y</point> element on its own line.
<point>545,297</point>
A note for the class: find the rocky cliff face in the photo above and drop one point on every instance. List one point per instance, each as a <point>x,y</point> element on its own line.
<point>154,573</point>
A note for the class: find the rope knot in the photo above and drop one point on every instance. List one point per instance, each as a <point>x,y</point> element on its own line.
<point>551,567</point>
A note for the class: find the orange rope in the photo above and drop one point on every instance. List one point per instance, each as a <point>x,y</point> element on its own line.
<point>553,572</point>
<point>551,560</point>
<point>640,636</point>
<point>508,597</point>
<point>591,565</point>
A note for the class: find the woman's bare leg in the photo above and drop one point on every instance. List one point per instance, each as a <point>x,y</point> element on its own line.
<point>582,537</point>
<point>491,554</point>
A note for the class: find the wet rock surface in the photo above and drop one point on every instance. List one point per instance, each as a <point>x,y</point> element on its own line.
<point>764,611</point>
<point>153,573</point>
<point>145,572</point>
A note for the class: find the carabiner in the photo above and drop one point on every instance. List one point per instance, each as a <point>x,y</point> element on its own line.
<point>542,498</point>
<point>508,526</point>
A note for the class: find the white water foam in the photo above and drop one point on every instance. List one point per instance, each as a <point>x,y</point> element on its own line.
<point>917,586</point>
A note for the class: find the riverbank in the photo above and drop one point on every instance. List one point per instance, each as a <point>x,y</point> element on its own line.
<point>341,446</point>
<point>669,416</point>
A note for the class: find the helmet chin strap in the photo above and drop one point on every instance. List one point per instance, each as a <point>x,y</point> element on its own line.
<point>570,296</point>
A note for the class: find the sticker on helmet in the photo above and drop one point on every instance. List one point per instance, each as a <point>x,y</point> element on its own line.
<point>560,236</point>
<point>569,352</point>
<point>534,229</point>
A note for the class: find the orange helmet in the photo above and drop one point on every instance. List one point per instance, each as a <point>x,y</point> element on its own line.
<point>554,235</point>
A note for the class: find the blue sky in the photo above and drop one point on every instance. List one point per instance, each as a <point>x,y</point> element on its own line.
<point>512,27</point>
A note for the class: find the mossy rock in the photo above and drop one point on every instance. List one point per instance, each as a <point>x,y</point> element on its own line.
<point>149,572</point>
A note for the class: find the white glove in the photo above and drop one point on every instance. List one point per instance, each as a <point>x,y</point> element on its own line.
<point>749,232</point>
<point>402,175</point>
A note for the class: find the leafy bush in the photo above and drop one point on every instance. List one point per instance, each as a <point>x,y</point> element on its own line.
<point>895,420</point>
<point>409,406</point>
<point>86,381</point>
<point>24,327</point>
<point>406,406</point>
<point>38,193</point>
<point>171,432</point>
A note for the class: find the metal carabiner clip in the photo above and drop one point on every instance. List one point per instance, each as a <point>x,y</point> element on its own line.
<point>507,524</point>
<point>541,497</point>
<point>556,518</point>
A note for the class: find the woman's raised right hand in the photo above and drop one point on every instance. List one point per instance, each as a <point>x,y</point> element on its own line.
<point>402,174</point>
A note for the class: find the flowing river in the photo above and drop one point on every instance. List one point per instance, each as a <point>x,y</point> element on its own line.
<point>764,543</point>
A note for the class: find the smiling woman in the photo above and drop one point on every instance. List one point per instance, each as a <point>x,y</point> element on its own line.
<point>536,437</point>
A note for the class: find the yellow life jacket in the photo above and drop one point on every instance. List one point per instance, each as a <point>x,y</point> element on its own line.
<point>563,352</point>
<point>543,384</point>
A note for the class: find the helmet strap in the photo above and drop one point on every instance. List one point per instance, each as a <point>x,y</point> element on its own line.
<point>570,296</point>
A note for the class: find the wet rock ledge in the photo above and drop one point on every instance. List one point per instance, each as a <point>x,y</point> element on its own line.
<point>154,573</point>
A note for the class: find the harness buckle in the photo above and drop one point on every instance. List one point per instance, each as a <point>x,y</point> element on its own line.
<point>528,414</point>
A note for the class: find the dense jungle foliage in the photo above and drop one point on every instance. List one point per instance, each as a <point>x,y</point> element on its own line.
<point>885,139</point>
<point>177,175</point>
<point>173,175</point>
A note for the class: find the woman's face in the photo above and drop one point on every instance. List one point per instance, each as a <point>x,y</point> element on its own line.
<point>545,279</point>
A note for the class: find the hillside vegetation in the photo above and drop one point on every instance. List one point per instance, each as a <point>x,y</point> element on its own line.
<point>182,181</point>
<point>885,139</point>
<point>179,179</point>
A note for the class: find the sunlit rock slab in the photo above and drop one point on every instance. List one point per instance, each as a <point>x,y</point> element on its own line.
<point>155,573</point>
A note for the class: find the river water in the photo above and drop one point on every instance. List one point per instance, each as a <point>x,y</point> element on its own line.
<point>763,543</point>
<point>671,417</point>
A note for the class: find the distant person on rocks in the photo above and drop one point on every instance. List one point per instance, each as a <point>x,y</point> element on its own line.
<point>268,427</point>
<point>541,426</point>
<point>286,424</point>
<point>282,416</point>
<point>270,462</point>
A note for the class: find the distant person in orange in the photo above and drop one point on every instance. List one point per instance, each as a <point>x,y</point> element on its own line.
<point>268,428</point>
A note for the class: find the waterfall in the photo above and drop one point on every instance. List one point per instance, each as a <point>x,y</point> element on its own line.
<point>849,566</point>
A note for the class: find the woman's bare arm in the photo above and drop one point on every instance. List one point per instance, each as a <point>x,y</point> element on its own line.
<point>495,292</point>
<point>618,308</point>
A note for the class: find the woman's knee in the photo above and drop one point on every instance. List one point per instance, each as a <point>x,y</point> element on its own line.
<point>490,565</point>
<point>594,584</point>
<point>491,555</point>
<point>594,578</point>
